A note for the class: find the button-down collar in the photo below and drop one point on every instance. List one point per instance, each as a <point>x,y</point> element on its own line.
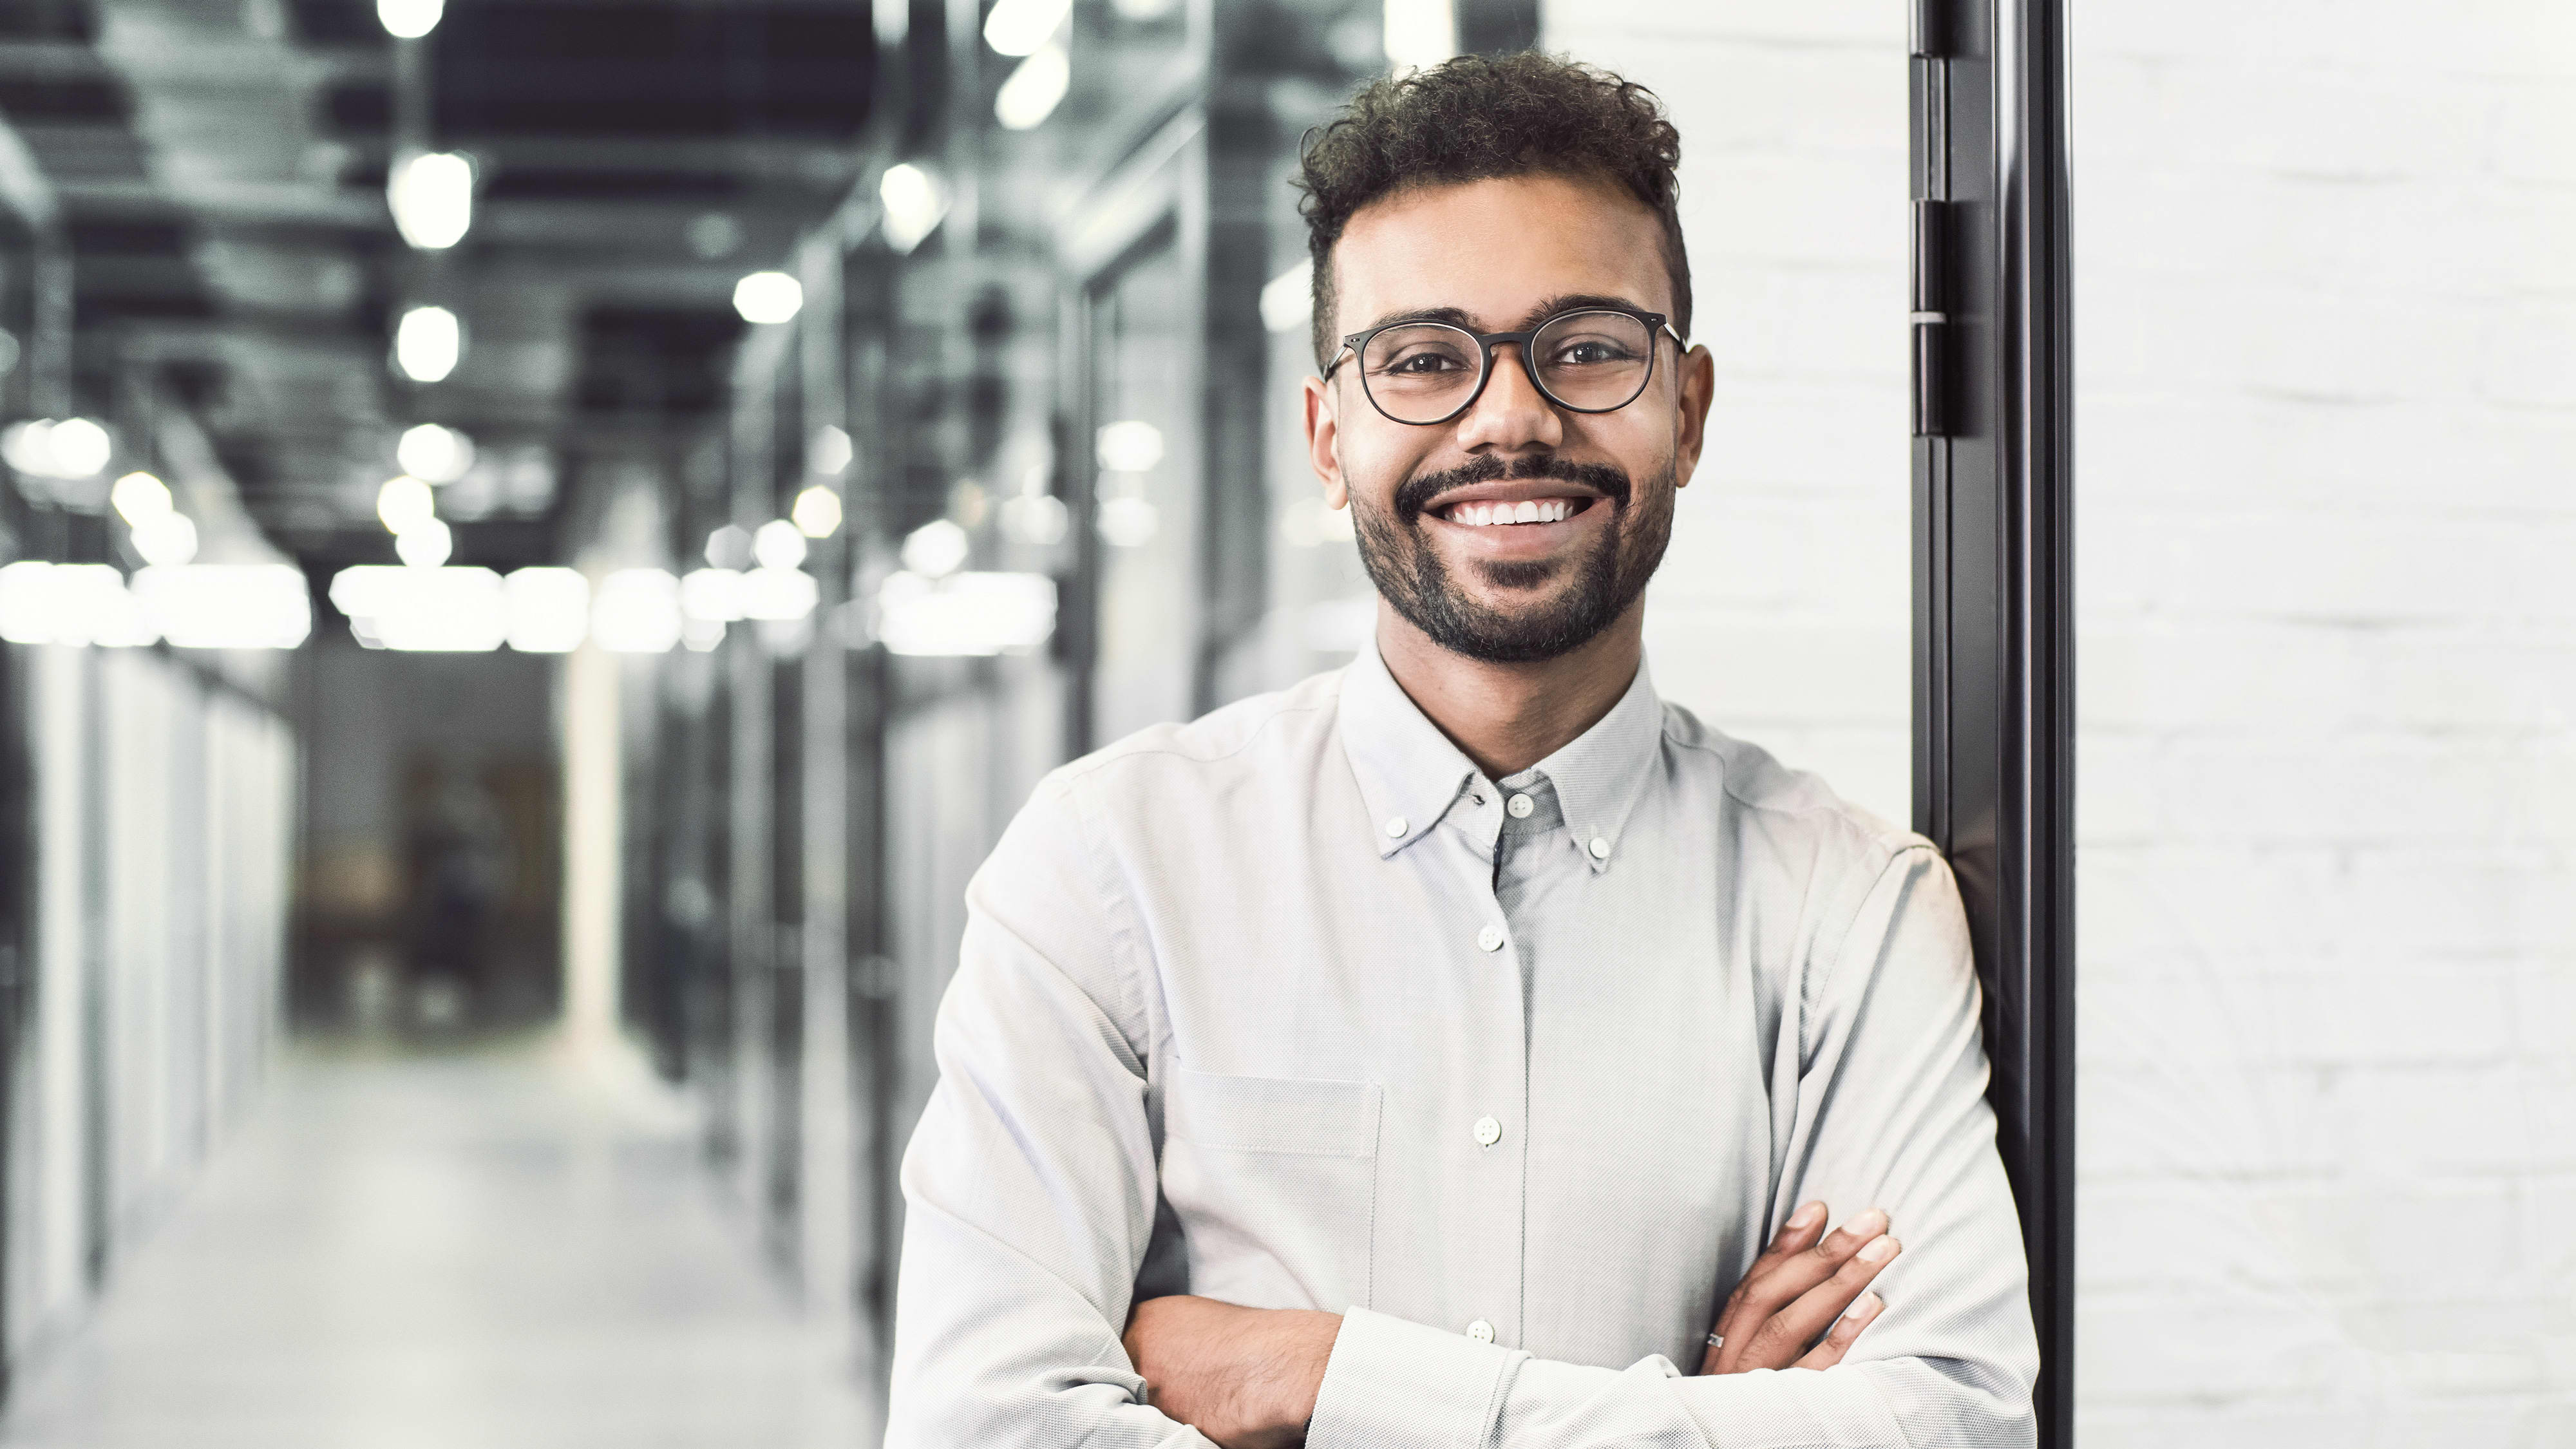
<point>1409,771</point>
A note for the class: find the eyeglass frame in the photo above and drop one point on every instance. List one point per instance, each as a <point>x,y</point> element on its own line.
<point>1354,344</point>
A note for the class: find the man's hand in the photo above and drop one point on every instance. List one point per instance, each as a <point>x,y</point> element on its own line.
<point>1796,1288</point>
<point>1244,1377</point>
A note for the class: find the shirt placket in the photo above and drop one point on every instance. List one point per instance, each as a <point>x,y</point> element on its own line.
<point>1496,1102</point>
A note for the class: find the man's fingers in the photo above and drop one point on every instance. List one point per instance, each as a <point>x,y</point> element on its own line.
<point>1776,1281</point>
<point>1779,1340</point>
<point>1846,1329</point>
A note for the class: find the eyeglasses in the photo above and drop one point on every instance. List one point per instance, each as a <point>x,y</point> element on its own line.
<point>1593,360</point>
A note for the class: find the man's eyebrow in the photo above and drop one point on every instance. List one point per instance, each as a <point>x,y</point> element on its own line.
<point>1460,317</point>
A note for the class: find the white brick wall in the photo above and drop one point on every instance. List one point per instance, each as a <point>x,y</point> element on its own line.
<point>1781,611</point>
<point>2327,349</point>
<point>2325,261</point>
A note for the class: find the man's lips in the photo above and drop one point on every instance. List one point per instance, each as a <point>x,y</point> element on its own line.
<point>1527,501</point>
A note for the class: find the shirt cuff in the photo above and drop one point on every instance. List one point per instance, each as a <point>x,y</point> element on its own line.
<point>1392,1383</point>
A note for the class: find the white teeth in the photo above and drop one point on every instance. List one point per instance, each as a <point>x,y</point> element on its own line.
<point>1486,515</point>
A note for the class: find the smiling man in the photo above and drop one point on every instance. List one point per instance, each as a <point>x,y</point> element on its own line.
<point>1447,1050</point>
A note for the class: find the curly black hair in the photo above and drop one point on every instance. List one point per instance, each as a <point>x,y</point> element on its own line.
<point>1482,116</point>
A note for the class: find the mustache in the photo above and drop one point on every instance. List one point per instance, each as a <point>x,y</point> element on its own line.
<point>1418,491</point>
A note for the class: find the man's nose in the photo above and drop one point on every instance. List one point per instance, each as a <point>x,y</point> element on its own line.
<point>1511,413</point>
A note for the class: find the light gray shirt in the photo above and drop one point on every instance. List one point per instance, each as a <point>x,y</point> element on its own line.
<point>1292,1007</point>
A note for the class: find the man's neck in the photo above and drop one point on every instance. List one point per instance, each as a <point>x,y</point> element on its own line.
<point>1508,717</point>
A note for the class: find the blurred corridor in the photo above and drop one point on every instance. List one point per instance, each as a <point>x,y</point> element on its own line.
<point>511,1245</point>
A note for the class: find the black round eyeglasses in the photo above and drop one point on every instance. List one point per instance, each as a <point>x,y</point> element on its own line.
<point>1591,360</point>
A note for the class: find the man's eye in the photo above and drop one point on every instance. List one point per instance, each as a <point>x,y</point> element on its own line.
<point>1591,352</point>
<point>1419,363</point>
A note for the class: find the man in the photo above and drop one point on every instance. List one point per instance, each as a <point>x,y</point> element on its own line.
<point>1420,1055</point>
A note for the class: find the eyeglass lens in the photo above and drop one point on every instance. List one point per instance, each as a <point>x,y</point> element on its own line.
<point>1588,361</point>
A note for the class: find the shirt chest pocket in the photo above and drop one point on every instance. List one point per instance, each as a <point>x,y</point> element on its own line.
<point>1274,1183</point>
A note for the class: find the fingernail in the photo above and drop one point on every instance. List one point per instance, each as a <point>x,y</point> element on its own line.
<point>1869,1224</point>
<point>1808,1216</point>
<point>1866,1309</point>
<point>1880,1249</point>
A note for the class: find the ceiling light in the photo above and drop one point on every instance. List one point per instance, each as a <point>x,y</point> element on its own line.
<point>914,203</point>
<point>139,496</point>
<point>227,606</point>
<point>48,603</point>
<point>768,297</point>
<point>428,343</point>
<point>1133,446</point>
<point>828,452</point>
<point>817,513</point>
<point>936,549</point>
<point>729,547</point>
<point>778,545</point>
<point>549,609</point>
<point>1018,27</point>
<point>711,595</point>
<point>166,539</point>
<point>1127,522</point>
<point>1031,93</point>
<point>446,610</point>
<point>636,611</point>
<point>432,196</point>
<point>409,19</point>
<point>425,545</point>
<point>405,503</point>
<point>778,593</point>
<point>434,454</point>
<point>968,614</point>
<point>1288,300</point>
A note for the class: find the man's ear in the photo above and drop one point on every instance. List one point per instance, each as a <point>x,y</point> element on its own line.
<point>1698,374</point>
<point>1323,444</point>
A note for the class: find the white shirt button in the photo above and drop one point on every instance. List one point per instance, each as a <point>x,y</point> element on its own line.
<point>1520,806</point>
<point>1395,827</point>
<point>1490,939</point>
<point>1600,847</point>
<point>1481,1331</point>
<point>1488,1131</point>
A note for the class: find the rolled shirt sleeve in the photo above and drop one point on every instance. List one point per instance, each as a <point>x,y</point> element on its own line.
<point>1029,1185</point>
<point>1887,1108</point>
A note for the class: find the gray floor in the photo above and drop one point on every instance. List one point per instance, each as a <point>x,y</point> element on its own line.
<point>493,1248</point>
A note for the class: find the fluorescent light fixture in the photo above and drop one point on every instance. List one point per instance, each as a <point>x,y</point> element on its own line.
<point>434,454</point>
<point>936,549</point>
<point>767,297</point>
<point>439,610</point>
<point>409,19</point>
<point>636,611</point>
<point>1034,88</point>
<point>549,609</point>
<point>427,343</point>
<point>1129,447</point>
<point>1420,32</point>
<point>1035,518</point>
<point>432,197</point>
<point>405,503</point>
<point>778,545</point>
<point>76,604</point>
<point>1288,300</point>
<point>967,614</point>
<point>711,596</point>
<point>828,452</point>
<point>914,202</point>
<point>817,513</point>
<point>771,592</point>
<point>166,539</point>
<point>226,606</point>
<point>138,496</point>
<point>424,545</point>
<point>1019,27</point>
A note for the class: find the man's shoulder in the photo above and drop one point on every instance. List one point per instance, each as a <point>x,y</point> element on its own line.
<point>1264,736</point>
<point>1794,809</point>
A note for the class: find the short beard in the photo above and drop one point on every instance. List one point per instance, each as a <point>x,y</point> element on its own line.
<point>1412,577</point>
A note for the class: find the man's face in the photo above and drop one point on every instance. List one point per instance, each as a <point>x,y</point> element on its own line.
<point>1499,256</point>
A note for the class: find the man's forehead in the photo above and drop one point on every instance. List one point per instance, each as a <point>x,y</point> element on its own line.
<point>1497,250</point>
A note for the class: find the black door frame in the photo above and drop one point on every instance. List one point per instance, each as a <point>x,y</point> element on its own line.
<point>1994,696</point>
